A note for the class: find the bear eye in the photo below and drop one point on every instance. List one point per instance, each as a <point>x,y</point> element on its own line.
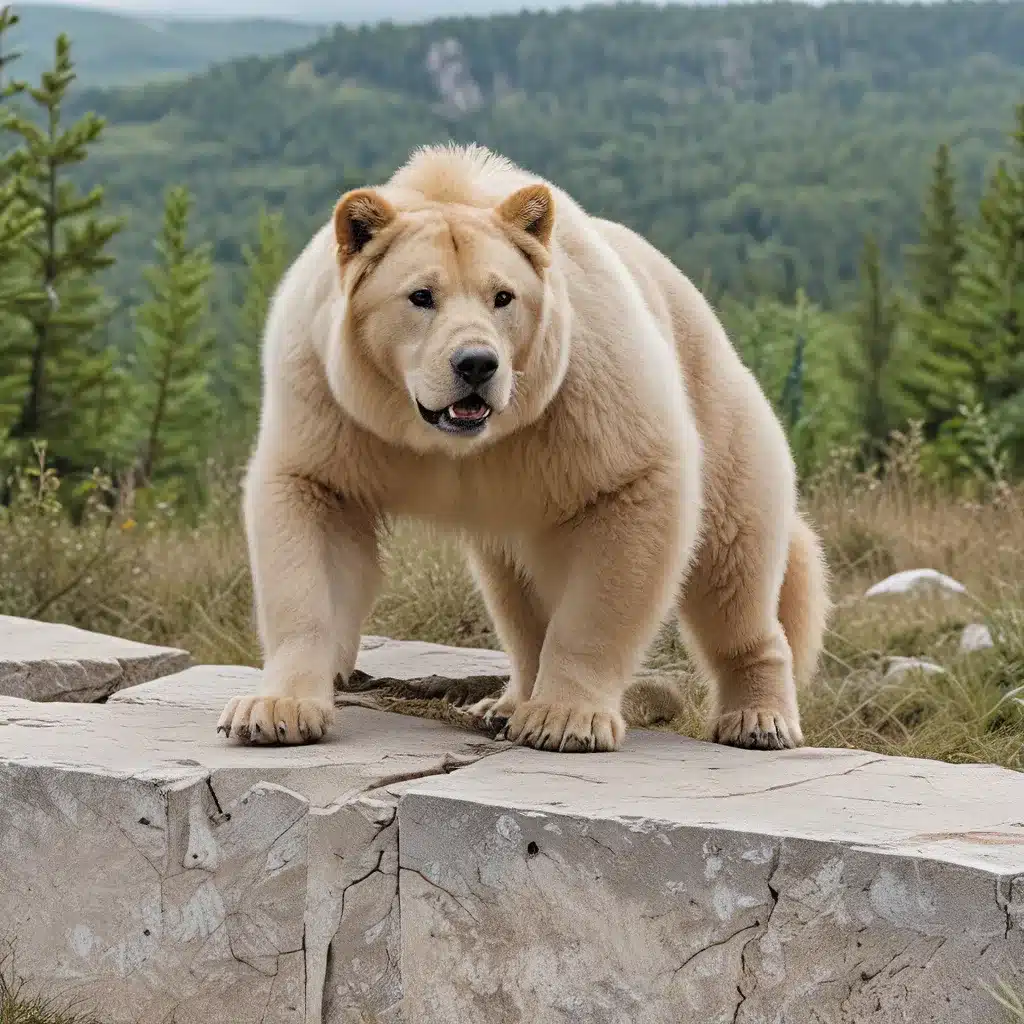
<point>423,298</point>
<point>502,299</point>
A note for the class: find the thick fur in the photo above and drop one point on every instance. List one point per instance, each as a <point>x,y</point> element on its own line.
<point>631,465</point>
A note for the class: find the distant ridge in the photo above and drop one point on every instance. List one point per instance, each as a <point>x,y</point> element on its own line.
<point>125,49</point>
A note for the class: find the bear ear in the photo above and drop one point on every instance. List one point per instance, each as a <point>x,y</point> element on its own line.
<point>532,210</point>
<point>359,216</point>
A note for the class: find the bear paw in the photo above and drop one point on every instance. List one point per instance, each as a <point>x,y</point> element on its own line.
<point>565,728</point>
<point>275,720</point>
<point>757,729</point>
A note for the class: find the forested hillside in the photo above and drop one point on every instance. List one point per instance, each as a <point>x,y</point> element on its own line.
<point>756,144</point>
<point>846,182</point>
<point>116,49</point>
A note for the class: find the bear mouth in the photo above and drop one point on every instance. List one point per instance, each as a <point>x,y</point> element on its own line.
<point>468,415</point>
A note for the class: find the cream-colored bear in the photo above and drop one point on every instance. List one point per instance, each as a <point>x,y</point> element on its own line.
<point>466,345</point>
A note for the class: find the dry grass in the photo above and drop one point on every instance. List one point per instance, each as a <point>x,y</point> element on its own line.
<point>18,1007</point>
<point>1010,1000</point>
<point>166,581</point>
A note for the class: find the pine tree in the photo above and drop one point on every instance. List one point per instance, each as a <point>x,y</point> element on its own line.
<point>8,19</point>
<point>173,400</point>
<point>265,263</point>
<point>935,261</point>
<point>866,366</point>
<point>983,329</point>
<point>17,224</point>
<point>932,377</point>
<point>69,371</point>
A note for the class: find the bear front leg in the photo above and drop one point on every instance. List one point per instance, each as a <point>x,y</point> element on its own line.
<point>623,557</point>
<point>519,620</point>
<point>316,572</point>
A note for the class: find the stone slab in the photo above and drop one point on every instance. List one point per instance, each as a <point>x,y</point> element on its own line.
<point>677,881</point>
<point>409,660</point>
<point>202,687</point>
<point>158,872</point>
<point>45,661</point>
<point>152,871</point>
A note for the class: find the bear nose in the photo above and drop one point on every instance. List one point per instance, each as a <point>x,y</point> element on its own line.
<point>475,365</point>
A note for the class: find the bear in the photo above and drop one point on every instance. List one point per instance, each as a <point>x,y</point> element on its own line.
<point>466,345</point>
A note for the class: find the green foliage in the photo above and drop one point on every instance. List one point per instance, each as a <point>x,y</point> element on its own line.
<point>72,380</point>
<point>17,224</point>
<point>265,263</point>
<point>929,382</point>
<point>865,366</point>
<point>759,143</point>
<point>980,338</point>
<point>976,446</point>
<point>936,258</point>
<point>8,20</point>
<point>793,350</point>
<point>174,406</point>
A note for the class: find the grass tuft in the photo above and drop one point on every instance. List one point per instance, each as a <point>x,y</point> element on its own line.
<point>18,1007</point>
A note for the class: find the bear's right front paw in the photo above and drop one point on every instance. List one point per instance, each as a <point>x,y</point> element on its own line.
<point>276,720</point>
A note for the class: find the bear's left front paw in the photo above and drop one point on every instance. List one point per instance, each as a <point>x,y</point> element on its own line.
<point>285,721</point>
<point>565,728</point>
<point>757,729</point>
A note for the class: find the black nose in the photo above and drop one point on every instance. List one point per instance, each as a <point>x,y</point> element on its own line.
<point>475,365</point>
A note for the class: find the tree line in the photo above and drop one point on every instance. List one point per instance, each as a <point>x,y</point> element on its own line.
<point>942,349</point>
<point>159,410</point>
<point>941,352</point>
<point>754,143</point>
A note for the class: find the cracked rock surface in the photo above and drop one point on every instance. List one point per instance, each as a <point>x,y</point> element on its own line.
<point>44,661</point>
<point>409,872</point>
<point>154,872</point>
<point>678,881</point>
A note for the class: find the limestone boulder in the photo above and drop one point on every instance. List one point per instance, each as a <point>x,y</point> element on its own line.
<point>45,661</point>
<point>896,666</point>
<point>405,871</point>
<point>918,582</point>
<point>151,870</point>
<point>976,637</point>
<point>679,881</point>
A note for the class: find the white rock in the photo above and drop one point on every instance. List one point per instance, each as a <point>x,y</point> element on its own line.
<point>404,661</point>
<point>976,637</point>
<point>409,660</point>
<point>46,661</point>
<point>915,581</point>
<point>153,871</point>
<point>897,666</point>
<point>677,881</point>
